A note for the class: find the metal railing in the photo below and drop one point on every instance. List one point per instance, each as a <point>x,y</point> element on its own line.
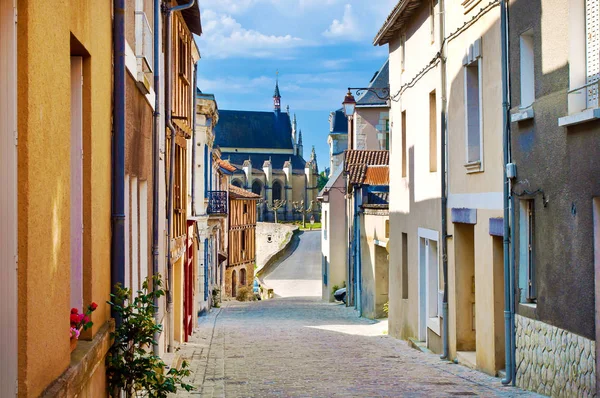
<point>217,202</point>
<point>584,97</point>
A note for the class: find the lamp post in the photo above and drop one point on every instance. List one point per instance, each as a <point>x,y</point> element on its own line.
<point>349,105</point>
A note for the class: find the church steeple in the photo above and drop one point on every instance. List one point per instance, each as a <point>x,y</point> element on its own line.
<point>277,95</point>
<point>300,148</point>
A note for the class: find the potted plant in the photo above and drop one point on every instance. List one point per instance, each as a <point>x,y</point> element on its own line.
<point>80,322</point>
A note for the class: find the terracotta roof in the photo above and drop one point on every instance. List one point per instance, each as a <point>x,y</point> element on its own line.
<point>395,21</point>
<point>226,165</point>
<point>377,175</point>
<point>239,193</point>
<point>356,162</point>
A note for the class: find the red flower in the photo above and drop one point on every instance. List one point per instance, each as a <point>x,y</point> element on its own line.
<point>85,320</point>
<point>74,318</point>
<point>74,311</point>
<point>93,306</point>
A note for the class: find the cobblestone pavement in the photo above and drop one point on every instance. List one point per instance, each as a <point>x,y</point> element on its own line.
<point>303,347</point>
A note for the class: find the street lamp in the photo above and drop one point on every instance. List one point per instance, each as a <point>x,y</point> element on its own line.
<point>349,104</point>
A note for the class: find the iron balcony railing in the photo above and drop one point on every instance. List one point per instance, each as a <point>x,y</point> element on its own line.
<point>217,202</point>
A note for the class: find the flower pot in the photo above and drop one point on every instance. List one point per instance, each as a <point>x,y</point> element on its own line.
<point>73,344</point>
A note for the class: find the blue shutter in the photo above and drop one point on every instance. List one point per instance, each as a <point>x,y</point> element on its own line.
<point>205,269</point>
<point>205,171</point>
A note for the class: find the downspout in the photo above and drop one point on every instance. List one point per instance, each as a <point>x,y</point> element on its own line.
<point>508,291</point>
<point>444,172</point>
<point>168,11</point>
<point>117,274</point>
<point>358,255</point>
<point>156,131</point>
<point>195,87</point>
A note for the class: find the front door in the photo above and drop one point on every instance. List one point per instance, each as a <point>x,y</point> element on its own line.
<point>188,281</point>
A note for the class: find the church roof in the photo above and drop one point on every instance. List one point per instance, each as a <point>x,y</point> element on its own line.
<point>258,159</point>
<point>250,129</point>
<point>381,79</point>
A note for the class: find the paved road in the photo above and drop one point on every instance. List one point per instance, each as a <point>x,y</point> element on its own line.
<point>304,347</point>
<point>299,275</point>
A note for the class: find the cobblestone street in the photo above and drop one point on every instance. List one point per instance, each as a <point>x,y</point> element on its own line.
<point>303,347</point>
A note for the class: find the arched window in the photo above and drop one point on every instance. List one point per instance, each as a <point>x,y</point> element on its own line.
<point>243,277</point>
<point>257,187</point>
<point>277,190</point>
<point>233,284</point>
<point>237,183</point>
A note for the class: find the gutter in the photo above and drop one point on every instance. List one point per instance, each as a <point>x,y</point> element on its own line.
<point>156,130</point>
<point>444,172</point>
<point>508,264</point>
<point>117,274</point>
<point>168,11</point>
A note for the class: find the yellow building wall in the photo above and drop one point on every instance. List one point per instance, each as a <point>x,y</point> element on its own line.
<point>374,265</point>
<point>45,31</point>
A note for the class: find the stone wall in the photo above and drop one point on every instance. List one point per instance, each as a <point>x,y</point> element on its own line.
<point>265,248</point>
<point>553,361</point>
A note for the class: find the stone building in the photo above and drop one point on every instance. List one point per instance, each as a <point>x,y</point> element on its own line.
<point>337,140</point>
<point>242,240</point>
<point>554,71</point>
<point>267,151</point>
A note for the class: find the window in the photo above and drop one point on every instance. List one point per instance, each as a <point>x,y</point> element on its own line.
<point>245,208</point>
<point>243,240</point>
<point>387,134</point>
<point>432,4</point>
<point>183,57</point>
<point>276,190</point>
<point>404,155</point>
<point>527,71</point>
<point>404,265</point>
<point>473,108</point>
<point>403,52</point>
<point>257,187</point>
<point>527,284</point>
<point>76,188</point>
<point>143,41</point>
<point>592,50</point>
<point>432,132</point>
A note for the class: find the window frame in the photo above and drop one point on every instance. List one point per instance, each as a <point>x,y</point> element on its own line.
<point>474,166</point>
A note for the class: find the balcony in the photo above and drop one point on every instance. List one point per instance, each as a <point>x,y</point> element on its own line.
<point>582,105</point>
<point>217,202</point>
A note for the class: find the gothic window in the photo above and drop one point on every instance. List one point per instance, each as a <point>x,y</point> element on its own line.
<point>257,187</point>
<point>277,190</point>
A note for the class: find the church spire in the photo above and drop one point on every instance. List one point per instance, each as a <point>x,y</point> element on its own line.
<point>313,155</point>
<point>277,95</point>
<point>300,138</point>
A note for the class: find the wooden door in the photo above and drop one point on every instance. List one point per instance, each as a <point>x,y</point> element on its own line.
<point>8,199</point>
<point>188,283</point>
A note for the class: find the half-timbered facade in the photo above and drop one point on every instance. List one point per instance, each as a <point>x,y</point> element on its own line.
<point>242,240</point>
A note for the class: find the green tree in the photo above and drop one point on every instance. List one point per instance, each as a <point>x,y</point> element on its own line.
<point>322,180</point>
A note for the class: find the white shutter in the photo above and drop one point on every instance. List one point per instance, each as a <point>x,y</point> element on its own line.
<point>592,34</point>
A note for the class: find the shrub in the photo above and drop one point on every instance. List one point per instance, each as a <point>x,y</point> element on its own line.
<point>334,288</point>
<point>245,294</point>
<point>386,308</point>
<point>131,366</point>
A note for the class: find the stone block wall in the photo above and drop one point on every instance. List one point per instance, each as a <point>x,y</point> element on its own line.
<point>553,361</point>
<point>265,248</point>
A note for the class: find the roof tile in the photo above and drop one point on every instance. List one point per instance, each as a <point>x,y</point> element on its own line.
<point>239,193</point>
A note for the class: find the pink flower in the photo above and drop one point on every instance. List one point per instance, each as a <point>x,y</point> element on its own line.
<point>74,333</point>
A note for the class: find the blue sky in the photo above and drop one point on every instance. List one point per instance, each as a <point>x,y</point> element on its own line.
<point>320,48</point>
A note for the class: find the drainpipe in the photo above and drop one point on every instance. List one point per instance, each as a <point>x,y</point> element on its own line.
<point>358,254</point>
<point>156,130</point>
<point>195,87</point>
<point>118,151</point>
<point>168,11</point>
<point>508,290</point>
<point>444,172</point>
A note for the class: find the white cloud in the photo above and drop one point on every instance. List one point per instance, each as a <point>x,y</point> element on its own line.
<point>224,37</point>
<point>347,28</point>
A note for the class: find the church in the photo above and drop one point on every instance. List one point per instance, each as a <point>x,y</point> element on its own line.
<point>266,150</point>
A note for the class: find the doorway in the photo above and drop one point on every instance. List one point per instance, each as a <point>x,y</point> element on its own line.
<point>8,196</point>
<point>233,284</point>
<point>466,316</point>
<point>429,282</point>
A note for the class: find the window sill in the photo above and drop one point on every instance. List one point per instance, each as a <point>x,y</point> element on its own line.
<point>85,357</point>
<point>580,117</point>
<point>473,167</point>
<point>434,325</point>
<point>522,114</point>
